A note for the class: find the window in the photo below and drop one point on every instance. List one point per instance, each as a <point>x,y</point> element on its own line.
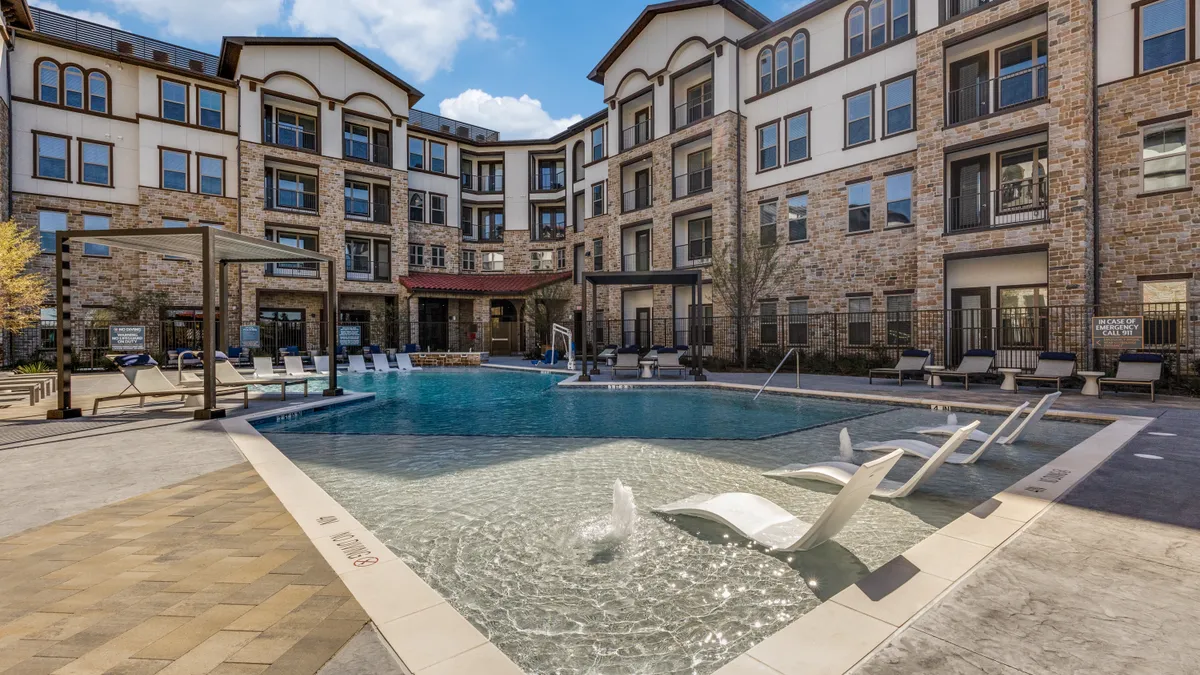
<point>50,222</point>
<point>899,319</point>
<point>900,18</point>
<point>51,156</point>
<point>1024,319</point>
<point>551,225</point>
<point>468,260</point>
<point>467,222</point>
<point>768,324</point>
<point>799,55</point>
<point>859,321</point>
<point>492,223</point>
<point>878,18</point>
<point>308,242</point>
<point>856,31</point>
<point>797,322</point>
<point>597,144</point>
<point>899,199</point>
<point>174,170</point>
<point>437,209</point>
<point>174,100</point>
<point>699,173</point>
<point>798,218</point>
<point>560,258</point>
<point>212,175</point>
<point>173,223</point>
<point>48,82</point>
<point>98,92</point>
<point>73,86</point>
<point>437,256</point>
<point>859,204</point>
<point>416,255</point>
<point>1164,37</point>
<point>358,199</point>
<point>1164,157</point>
<point>782,63</point>
<point>293,130</point>
<point>767,212</point>
<point>493,261</point>
<point>357,141</point>
<point>766,69</point>
<point>699,239</point>
<point>437,157</point>
<point>1022,179</point>
<point>295,191</point>
<point>416,207</point>
<point>768,147</point>
<point>859,128</point>
<point>416,153</point>
<point>796,129</point>
<point>897,106</point>
<point>598,199</point>
<point>91,222</point>
<point>597,255</point>
<point>1022,75</point>
<point>211,104</point>
<point>552,174</point>
<point>1164,310</point>
<point>96,163</point>
<point>698,106</point>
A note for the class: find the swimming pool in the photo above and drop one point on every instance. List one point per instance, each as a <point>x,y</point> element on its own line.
<point>509,527</point>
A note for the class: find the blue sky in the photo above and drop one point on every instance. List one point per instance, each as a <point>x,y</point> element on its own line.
<point>518,66</point>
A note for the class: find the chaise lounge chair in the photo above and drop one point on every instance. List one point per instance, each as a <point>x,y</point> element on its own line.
<point>380,362</point>
<point>1051,367</point>
<point>912,362</point>
<point>229,376</point>
<point>841,473</point>
<point>404,363</point>
<point>915,448</point>
<point>768,524</point>
<point>668,359</point>
<point>1032,418</point>
<point>357,364</point>
<point>975,362</point>
<point>627,360</point>
<point>147,381</point>
<point>609,353</point>
<point>1139,370</point>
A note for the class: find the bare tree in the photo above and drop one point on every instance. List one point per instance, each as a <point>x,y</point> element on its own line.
<point>545,307</point>
<point>739,281</point>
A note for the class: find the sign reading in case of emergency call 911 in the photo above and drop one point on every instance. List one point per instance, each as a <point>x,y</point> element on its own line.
<point>1117,332</point>
<point>127,338</point>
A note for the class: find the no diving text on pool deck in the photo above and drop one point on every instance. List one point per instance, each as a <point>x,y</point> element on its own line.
<point>350,545</point>
<point>1117,332</point>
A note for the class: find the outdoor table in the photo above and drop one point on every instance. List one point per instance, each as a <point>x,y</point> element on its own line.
<point>935,379</point>
<point>647,369</point>
<point>1091,382</point>
<point>1010,378</point>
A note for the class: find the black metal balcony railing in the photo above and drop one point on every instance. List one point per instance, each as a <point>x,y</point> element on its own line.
<point>366,209</point>
<point>989,96</point>
<point>695,253</point>
<point>368,270</point>
<point>483,233</point>
<point>289,136</point>
<point>637,198</point>
<point>122,42</point>
<point>956,7</point>
<point>544,232</point>
<point>471,183</point>
<point>692,182</point>
<point>638,261</point>
<point>373,153</point>
<point>301,270</point>
<point>551,180</point>
<point>638,134</point>
<point>291,199</point>
<point>692,112</point>
<point>1016,203</point>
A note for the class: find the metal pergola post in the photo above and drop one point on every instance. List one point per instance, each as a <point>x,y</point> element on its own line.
<point>595,361</point>
<point>210,410</point>
<point>584,376</point>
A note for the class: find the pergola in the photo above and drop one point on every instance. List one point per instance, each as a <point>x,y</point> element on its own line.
<point>208,245</point>
<point>672,278</point>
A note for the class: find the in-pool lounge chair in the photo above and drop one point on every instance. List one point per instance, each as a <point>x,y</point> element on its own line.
<point>1051,367</point>
<point>627,361</point>
<point>668,359</point>
<point>357,364</point>
<point>229,376</point>
<point>915,448</point>
<point>912,362</point>
<point>1138,370</point>
<point>1031,419</point>
<point>380,362</point>
<point>294,366</point>
<point>263,368</point>
<point>768,524</point>
<point>841,473</point>
<point>147,381</point>
<point>975,362</point>
<point>404,363</point>
<point>321,365</point>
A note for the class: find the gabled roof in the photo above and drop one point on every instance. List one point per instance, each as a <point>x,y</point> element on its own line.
<point>738,8</point>
<point>502,284</point>
<point>231,51</point>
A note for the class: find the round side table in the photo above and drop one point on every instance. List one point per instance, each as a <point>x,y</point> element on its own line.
<point>935,375</point>
<point>647,369</point>
<point>1010,378</point>
<point>1091,382</point>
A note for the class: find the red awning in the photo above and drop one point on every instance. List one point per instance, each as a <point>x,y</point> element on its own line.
<point>498,284</point>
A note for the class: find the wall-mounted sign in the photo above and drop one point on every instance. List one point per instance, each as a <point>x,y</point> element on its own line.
<point>251,339</point>
<point>127,338</point>
<point>1117,332</point>
<point>350,336</point>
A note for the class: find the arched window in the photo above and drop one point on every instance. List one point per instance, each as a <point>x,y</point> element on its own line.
<point>73,86</point>
<point>577,160</point>
<point>416,207</point>
<point>48,82</point>
<point>97,89</point>
<point>799,55</point>
<point>856,31</point>
<point>782,64</point>
<point>878,16</point>
<point>900,18</point>
<point>766,66</point>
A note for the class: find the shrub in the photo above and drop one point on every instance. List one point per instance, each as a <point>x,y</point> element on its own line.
<point>35,368</point>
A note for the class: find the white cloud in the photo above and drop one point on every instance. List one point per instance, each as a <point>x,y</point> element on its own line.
<point>512,117</point>
<point>204,20</point>
<point>422,37</point>
<point>95,17</point>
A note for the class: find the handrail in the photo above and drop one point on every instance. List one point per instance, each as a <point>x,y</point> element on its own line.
<point>781,362</point>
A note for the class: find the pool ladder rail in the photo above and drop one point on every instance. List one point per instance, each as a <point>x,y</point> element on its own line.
<point>781,362</point>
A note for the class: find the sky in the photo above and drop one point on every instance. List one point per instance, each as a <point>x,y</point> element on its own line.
<point>517,66</point>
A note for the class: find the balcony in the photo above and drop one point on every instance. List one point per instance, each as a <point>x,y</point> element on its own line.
<point>693,111</point>
<point>636,262</point>
<point>482,184</point>
<point>990,96</point>
<point>695,253</point>
<point>365,209</point>
<point>371,153</point>
<point>292,199</point>
<point>358,269</point>
<point>1017,203</point>
<point>637,198</point>
<point>297,270</point>
<point>693,182</point>
<point>484,234</point>
<point>550,181</point>
<point>638,134</point>
<point>289,136</point>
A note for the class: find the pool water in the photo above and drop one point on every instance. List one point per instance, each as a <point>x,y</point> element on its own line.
<point>509,528</point>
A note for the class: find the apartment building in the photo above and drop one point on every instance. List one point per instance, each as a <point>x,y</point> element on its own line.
<point>969,156</point>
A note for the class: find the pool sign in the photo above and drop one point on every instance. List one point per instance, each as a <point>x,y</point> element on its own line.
<point>251,338</point>
<point>350,336</point>
<point>1117,332</point>
<point>127,338</point>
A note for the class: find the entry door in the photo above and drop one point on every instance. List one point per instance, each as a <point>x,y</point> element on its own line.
<point>969,201</point>
<point>641,249</point>
<point>969,93</point>
<point>970,321</point>
<point>642,327</point>
<point>433,324</point>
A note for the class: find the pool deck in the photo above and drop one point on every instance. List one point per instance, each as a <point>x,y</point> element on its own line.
<point>116,510</point>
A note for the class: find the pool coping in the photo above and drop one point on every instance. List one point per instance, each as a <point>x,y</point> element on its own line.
<point>431,636</point>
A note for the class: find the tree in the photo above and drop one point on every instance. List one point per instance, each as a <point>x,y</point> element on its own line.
<point>545,307</point>
<point>22,290</point>
<point>739,281</point>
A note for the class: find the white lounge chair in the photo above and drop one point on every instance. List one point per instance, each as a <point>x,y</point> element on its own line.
<point>357,364</point>
<point>841,473</point>
<point>263,368</point>
<point>668,359</point>
<point>912,362</point>
<point>228,375</point>
<point>607,355</point>
<point>1051,367</point>
<point>767,523</point>
<point>380,362</point>
<point>1032,418</point>
<point>294,366</point>
<point>404,363</point>
<point>916,448</point>
<point>321,365</point>
<point>1135,369</point>
<point>149,382</point>
<point>975,362</point>
<point>626,362</point>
